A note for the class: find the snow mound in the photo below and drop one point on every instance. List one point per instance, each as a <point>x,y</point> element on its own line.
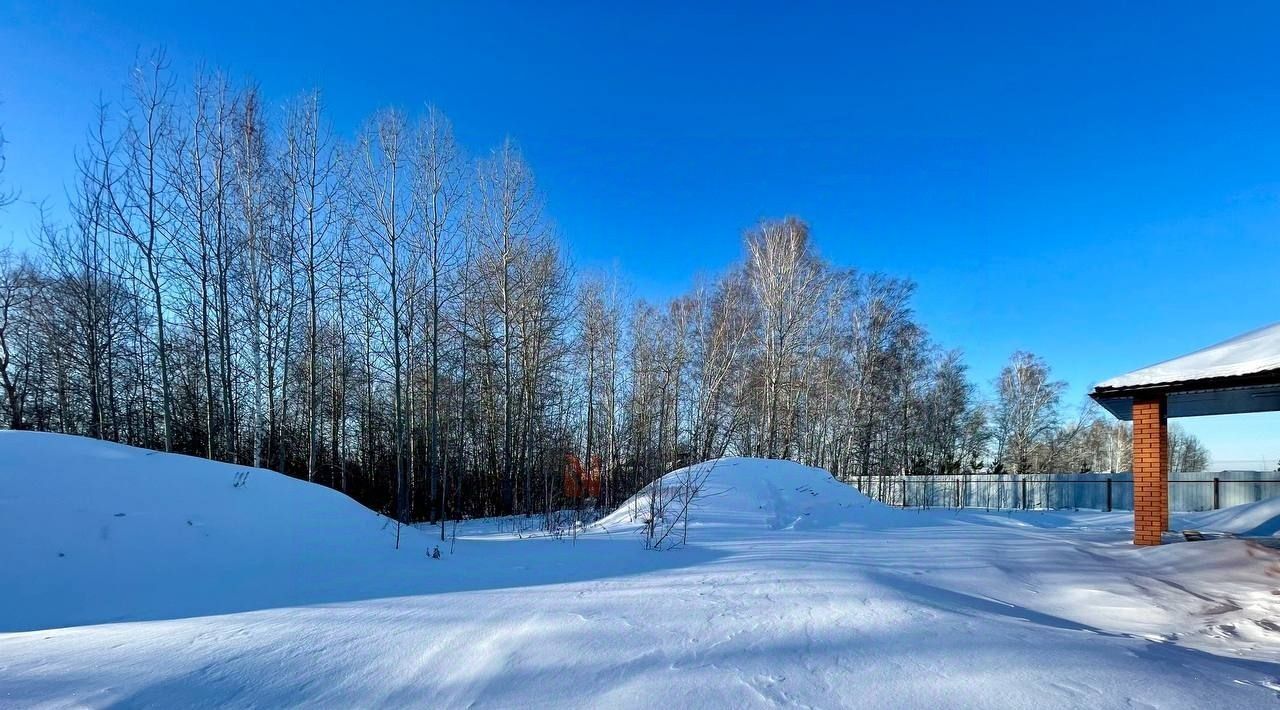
<point>1258,519</point>
<point>757,493</point>
<point>95,532</point>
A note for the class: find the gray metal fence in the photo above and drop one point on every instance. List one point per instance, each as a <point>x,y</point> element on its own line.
<point>1073,491</point>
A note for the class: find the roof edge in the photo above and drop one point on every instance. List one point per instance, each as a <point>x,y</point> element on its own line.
<point>1220,382</point>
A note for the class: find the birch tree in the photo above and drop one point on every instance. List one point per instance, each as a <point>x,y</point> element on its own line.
<point>786,279</point>
<point>141,200</point>
<point>439,189</point>
<point>313,169</point>
<point>384,155</point>
<point>1026,410</point>
<point>508,224</point>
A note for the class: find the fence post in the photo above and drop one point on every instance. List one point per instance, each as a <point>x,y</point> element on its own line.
<point>1024,493</point>
<point>1215,492</point>
<point>1108,494</point>
<point>957,494</point>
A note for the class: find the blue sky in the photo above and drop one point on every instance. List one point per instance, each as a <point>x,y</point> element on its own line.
<point>1098,183</point>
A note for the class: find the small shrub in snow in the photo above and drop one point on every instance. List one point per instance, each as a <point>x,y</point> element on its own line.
<point>665,524</point>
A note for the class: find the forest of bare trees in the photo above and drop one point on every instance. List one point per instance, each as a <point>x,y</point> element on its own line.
<point>394,318</point>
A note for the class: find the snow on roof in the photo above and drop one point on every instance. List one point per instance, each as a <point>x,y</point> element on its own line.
<point>1254,352</point>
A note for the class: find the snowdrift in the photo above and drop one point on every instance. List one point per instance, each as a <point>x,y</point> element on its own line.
<point>1259,519</point>
<point>737,493</point>
<point>94,532</point>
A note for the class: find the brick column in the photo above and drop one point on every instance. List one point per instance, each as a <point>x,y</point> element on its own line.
<point>1150,469</point>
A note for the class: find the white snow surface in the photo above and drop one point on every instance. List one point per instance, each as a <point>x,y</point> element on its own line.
<point>138,579</point>
<point>1258,519</point>
<point>1253,352</point>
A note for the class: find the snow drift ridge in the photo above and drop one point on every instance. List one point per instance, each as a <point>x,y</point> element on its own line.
<point>98,532</point>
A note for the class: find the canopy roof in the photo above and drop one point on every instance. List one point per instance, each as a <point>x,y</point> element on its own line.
<point>1235,376</point>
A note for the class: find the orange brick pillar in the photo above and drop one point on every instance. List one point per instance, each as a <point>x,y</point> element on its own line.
<point>1150,469</point>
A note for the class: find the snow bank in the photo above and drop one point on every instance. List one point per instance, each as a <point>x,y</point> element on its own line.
<point>95,532</point>
<point>738,493</point>
<point>1255,351</point>
<point>1259,519</point>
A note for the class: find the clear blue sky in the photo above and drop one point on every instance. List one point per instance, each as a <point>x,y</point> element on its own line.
<point>1096,183</point>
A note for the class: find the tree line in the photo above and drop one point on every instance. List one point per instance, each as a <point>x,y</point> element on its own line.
<point>388,316</point>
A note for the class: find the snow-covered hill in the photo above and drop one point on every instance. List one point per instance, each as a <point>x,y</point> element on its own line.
<point>738,494</point>
<point>97,532</point>
<point>793,590</point>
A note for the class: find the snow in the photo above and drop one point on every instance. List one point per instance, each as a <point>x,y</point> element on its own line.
<point>1250,353</point>
<point>793,590</point>
<point>1258,519</point>
<point>100,532</point>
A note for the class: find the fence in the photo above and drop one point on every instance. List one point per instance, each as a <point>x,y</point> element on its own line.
<point>1090,491</point>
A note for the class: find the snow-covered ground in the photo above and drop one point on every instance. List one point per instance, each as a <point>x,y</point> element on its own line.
<point>150,580</point>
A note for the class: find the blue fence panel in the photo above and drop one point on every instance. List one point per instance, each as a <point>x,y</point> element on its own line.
<point>1076,491</point>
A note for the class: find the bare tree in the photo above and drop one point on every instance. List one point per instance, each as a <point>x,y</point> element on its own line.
<point>1186,453</point>
<point>80,259</point>
<point>140,200</point>
<point>787,281</point>
<point>251,181</point>
<point>439,189</point>
<point>508,223</point>
<point>17,294</point>
<point>383,184</point>
<point>1026,411</point>
<point>313,169</point>
<point>7,195</point>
